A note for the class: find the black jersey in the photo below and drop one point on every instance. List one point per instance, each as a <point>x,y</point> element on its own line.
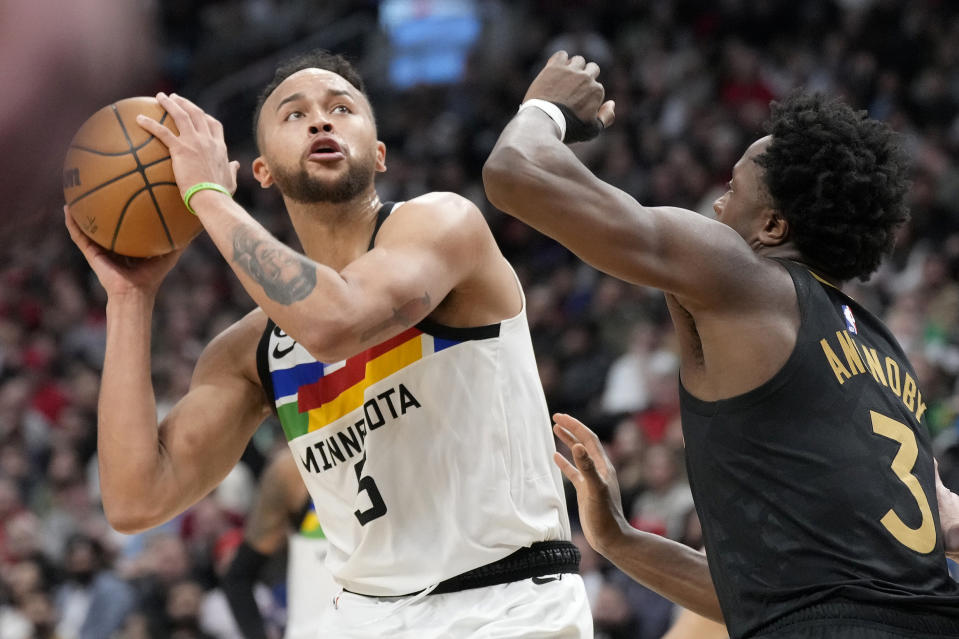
<point>818,485</point>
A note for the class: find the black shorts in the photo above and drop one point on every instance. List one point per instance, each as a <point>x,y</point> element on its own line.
<point>831,629</point>
<point>853,620</point>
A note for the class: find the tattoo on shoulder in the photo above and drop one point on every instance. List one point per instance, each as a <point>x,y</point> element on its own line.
<point>285,276</point>
<point>404,316</point>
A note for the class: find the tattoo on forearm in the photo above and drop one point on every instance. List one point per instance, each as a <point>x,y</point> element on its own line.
<point>285,276</point>
<point>403,316</point>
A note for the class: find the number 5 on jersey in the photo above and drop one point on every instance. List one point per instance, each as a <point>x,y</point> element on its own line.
<point>367,485</point>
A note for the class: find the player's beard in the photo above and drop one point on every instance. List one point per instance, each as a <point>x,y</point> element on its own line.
<point>300,186</point>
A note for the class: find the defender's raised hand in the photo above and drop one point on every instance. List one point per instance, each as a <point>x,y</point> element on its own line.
<point>593,476</point>
<point>571,84</point>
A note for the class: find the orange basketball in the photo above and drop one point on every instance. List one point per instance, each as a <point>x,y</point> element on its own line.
<point>119,186</point>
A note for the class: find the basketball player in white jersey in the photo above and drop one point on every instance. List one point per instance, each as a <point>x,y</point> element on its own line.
<point>397,356</point>
<point>282,517</point>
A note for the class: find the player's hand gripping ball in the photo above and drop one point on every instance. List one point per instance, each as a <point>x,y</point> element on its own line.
<point>119,186</point>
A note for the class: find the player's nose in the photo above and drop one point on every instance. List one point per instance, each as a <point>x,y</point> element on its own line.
<point>320,121</point>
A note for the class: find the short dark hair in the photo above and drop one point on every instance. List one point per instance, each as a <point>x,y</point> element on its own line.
<point>315,59</point>
<point>840,180</point>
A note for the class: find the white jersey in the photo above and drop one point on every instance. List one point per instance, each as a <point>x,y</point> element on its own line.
<point>426,456</point>
<point>309,585</point>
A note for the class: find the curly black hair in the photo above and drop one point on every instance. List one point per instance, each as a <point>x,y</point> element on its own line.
<point>840,180</point>
<point>315,59</point>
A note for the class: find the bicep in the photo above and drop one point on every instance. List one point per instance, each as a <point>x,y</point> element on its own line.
<point>672,249</point>
<point>205,433</point>
<point>418,259</point>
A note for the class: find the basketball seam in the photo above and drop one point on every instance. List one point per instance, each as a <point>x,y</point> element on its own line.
<point>149,187</point>
<point>119,177</point>
<point>133,196</point>
<point>80,147</point>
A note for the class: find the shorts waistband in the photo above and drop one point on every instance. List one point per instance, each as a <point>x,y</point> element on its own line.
<point>928,622</point>
<point>541,558</point>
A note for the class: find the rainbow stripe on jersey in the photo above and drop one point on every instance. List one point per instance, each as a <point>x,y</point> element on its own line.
<point>310,394</point>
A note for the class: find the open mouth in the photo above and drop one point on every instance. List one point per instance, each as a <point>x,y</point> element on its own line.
<point>325,149</point>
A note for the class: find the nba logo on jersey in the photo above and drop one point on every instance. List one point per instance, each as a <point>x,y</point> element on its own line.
<point>850,320</point>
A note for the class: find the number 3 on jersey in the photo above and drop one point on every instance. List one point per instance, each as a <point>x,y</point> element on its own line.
<point>367,485</point>
<point>923,538</point>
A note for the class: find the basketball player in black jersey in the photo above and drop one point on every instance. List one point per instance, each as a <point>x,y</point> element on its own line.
<point>804,422</point>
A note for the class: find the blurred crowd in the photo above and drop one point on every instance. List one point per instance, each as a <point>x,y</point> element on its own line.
<point>692,82</point>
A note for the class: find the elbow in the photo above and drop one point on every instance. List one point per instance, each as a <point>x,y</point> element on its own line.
<point>331,342</point>
<point>503,175</point>
<point>130,518</point>
<point>330,352</point>
<point>327,331</point>
<point>127,523</point>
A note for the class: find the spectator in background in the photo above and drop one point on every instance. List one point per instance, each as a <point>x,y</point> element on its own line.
<point>184,599</point>
<point>164,563</point>
<point>668,61</point>
<point>92,602</point>
<point>24,587</point>
<point>40,612</point>
<point>664,504</point>
<point>626,387</point>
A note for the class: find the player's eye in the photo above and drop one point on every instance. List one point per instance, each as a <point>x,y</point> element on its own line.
<point>293,115</point>
<point>342,108</point>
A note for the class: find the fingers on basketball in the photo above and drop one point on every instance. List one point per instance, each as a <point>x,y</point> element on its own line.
<point>176,111</point>
<point>201,121</point>
<point>157,130</point>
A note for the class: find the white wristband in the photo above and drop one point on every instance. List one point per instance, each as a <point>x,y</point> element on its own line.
<point>549,109</point>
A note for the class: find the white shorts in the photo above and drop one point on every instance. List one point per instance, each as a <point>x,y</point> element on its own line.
<point>552,606</point>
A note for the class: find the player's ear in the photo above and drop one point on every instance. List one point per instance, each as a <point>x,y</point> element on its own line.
<point>380,157</point>
<point>262,172</point>
<point>775,230</point>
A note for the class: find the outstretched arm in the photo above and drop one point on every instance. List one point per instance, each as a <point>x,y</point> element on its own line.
<point>532,175</point>
<point>675,571</point>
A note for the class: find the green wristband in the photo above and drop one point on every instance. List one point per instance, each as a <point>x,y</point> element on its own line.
<point>201,186</point>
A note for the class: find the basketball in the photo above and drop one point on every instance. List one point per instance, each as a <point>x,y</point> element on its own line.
<point>118,183</point>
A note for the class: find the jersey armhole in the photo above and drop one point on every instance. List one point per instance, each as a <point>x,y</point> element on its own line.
<point>263,365</point>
